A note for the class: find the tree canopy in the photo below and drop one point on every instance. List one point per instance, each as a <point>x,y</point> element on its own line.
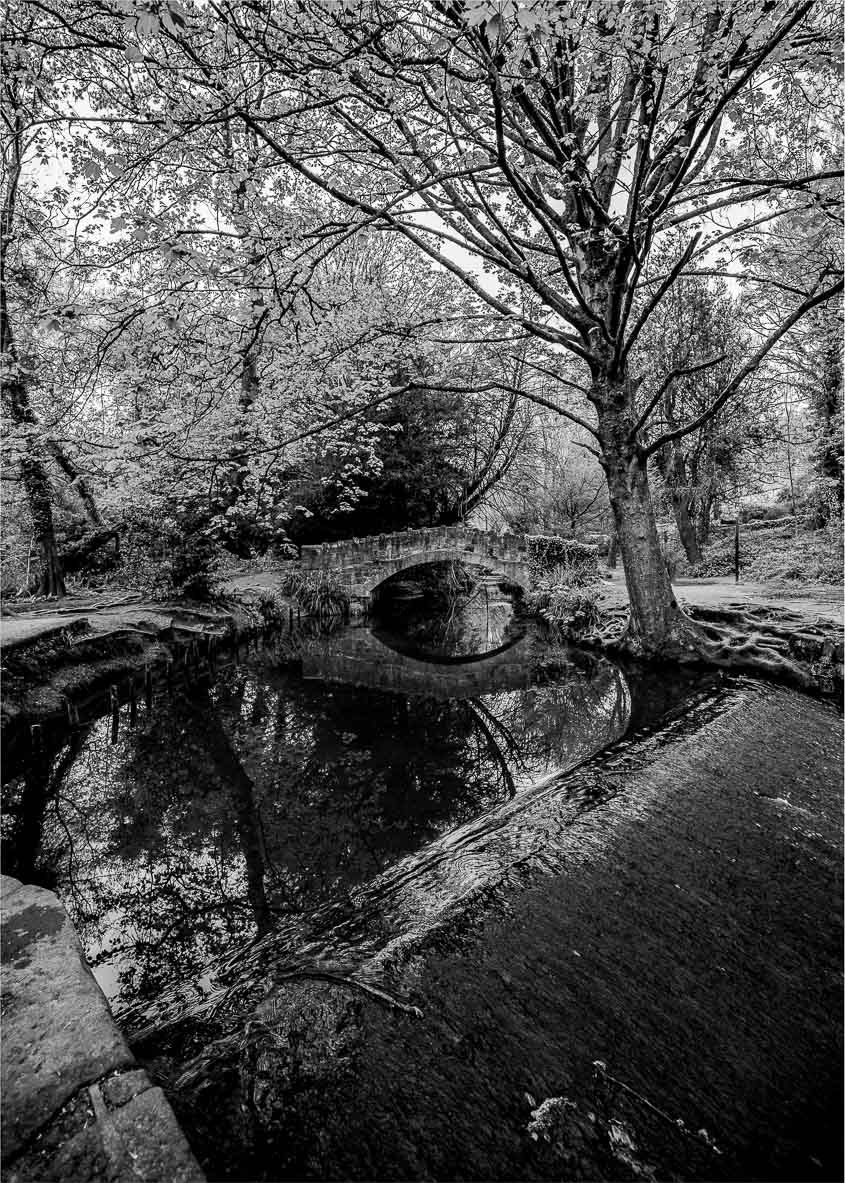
<point>251,228</point>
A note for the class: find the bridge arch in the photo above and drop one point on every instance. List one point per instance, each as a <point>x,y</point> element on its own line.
<point>365,563</point>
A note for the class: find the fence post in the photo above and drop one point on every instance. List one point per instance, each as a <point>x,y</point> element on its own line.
<point>736,549</point>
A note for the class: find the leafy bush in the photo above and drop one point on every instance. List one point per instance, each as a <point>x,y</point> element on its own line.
<point>272,609</point>
<point>770,523</point>
<point>574,611</point>
<point>820,504</point>
<point>171,554</point>
<point>573,608</point>
<point>812,557</point>
<point>763,513</point>
<point>567,559</point>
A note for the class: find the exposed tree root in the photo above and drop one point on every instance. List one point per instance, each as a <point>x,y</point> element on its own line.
<point>744,640</point>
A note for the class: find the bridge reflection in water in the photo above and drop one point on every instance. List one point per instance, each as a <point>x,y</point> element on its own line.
<point>527,714</point>
<point>359,657</point>
<point>539,709</point>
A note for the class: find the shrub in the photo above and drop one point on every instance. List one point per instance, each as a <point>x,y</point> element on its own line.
<point>272,609</point>
<point>769,523</point>
<point>811,557</point>
<point>572,608</point>
<point>573,611</point>
<point>570,561</point>
<point>763,513</point>
<point>171,554</point>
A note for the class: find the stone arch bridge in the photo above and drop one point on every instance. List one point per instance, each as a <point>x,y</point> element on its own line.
<point>364,563</point>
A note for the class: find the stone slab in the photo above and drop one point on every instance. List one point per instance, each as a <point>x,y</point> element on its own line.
<point>75,1107</point>
<point>153,1146</point>
<point>88,1141</point>
<point>58,1032</point>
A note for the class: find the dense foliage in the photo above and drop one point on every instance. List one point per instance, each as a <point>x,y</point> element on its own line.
<point>291,272</point>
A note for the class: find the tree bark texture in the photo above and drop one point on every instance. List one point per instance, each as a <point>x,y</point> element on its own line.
<point>37,484</point>
<point>654,613</point>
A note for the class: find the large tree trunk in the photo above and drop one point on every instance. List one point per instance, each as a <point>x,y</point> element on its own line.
<point>37,484</point>
<point>78,483</point>
<point>74,558</point>
<point>702,521</point>
<point>613,548</point>
<point>686,526</point>
<point>656,624</point>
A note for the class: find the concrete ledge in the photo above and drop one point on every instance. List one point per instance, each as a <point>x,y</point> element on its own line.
<point>74,1106</point>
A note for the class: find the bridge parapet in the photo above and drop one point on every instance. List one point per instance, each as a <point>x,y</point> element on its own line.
<point>375,548</point>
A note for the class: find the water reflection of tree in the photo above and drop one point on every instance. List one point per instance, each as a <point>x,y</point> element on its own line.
<point>267,796</point>
<point>559,722</point>
<point>25,801</point>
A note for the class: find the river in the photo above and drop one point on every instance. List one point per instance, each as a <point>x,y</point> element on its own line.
<point>316,814</point>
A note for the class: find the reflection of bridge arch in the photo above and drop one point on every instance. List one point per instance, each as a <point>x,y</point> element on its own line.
<point>358,657</point>
<point>446,659</point>
<point>365,563</point>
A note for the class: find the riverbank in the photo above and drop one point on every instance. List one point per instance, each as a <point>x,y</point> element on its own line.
<point>649,986</point>
<point>53,658</point>
<point>56,661</point>
<point>652,901</point>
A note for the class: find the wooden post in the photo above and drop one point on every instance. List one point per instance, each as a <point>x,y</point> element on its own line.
<point>35,737</point>
<point>736,549</point>
<point>148,687</point>
<point>133,704</point>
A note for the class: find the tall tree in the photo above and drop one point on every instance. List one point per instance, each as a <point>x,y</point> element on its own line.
<point>692,344</point>
<point>25,135</point>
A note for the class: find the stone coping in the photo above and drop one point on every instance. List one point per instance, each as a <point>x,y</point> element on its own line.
<point>74,1105</point>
